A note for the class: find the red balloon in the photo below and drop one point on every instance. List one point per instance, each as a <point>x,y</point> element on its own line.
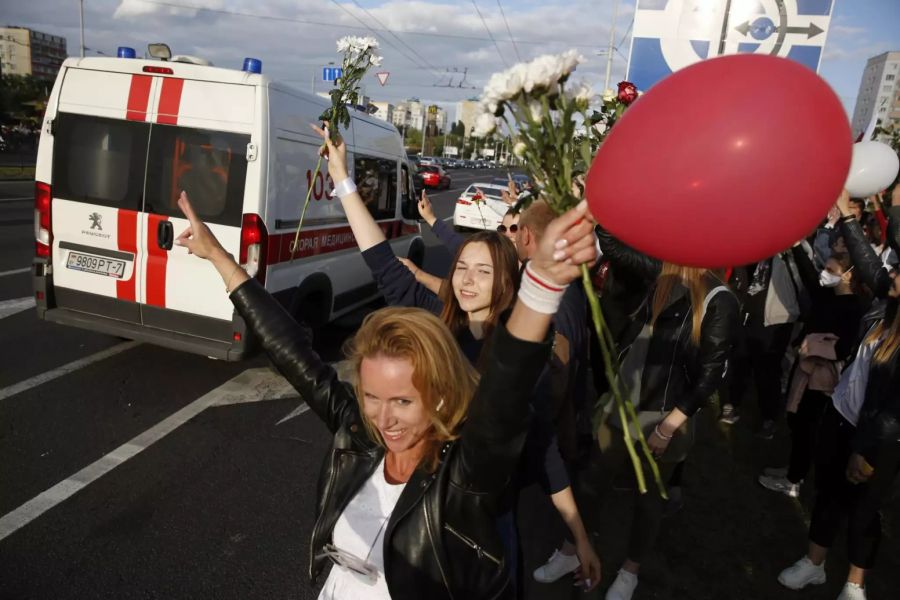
<point>723,163</point>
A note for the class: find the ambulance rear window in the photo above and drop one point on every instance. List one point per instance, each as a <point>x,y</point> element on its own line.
<point>98,160</point>
<point>211,166</point>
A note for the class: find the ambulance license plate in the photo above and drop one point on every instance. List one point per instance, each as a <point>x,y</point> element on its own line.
<point>96,264</point>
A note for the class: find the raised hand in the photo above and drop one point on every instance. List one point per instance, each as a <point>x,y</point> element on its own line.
<point>334,153</point>
<point>567,243</point>
<point>425,209</point>
<point>197,238</point>
<point>201,242</point>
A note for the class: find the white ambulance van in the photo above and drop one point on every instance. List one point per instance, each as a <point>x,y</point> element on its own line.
<point>123,136</point>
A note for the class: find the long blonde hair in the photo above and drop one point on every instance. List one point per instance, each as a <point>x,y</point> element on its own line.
<point>695,280</point>
<point>890,331</point>
<point>441,373</point>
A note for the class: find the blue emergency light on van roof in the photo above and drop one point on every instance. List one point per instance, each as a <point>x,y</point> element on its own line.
<point>126,52</point>
<point>252,65</point>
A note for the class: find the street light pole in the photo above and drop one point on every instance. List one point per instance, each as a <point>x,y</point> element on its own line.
<point>612,42</point>
<point>81,15</point>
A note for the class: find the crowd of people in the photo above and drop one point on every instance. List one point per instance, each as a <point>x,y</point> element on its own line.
<point>471,387</point>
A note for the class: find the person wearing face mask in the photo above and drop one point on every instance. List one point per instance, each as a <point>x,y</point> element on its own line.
<point>857,453</point>
<point>828,335</point>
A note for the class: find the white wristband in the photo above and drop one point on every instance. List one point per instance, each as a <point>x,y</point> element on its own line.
<point>538,294</point>
<point>344,188</point>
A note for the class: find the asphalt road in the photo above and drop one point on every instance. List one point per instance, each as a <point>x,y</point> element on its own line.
<point>132,471</point>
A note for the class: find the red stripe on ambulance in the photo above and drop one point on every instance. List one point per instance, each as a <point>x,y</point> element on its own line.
<point>127,236</point>
<point>157,258</point>
<point>170,101</point>
<point>324,241</point>
<point>138,97</point>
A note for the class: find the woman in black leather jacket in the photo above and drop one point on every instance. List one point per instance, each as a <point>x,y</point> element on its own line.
<point>454,458</point>
<point>683,332</point>
<point>858,447</point>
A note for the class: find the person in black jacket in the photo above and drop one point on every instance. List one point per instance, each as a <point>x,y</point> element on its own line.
<point>858,447</point>
<point>676,360</point>
<point>411,421</point>
<point>835,313</point>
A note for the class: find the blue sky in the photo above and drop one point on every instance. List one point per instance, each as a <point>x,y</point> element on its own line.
<point>446,54</point>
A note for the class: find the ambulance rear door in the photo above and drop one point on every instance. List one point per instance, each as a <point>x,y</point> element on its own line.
<point>100,138</point>
<point>198,143</point>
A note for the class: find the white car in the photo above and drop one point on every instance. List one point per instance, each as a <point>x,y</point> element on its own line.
<point>481,206</point>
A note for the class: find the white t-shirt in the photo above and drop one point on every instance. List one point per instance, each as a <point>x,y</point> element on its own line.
<point>360,531</point>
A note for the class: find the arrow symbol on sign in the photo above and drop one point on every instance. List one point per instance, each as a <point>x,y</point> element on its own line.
<point>382,77</point>
<point>743,28</point>
<point>811,31</point>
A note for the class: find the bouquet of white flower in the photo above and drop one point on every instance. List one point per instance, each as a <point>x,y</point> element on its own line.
<point>360,53</point>
<point>546,111</point>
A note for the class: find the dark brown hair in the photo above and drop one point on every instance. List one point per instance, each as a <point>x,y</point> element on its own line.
<point>506,282</point>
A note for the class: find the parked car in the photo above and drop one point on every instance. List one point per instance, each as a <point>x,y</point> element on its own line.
<point>434,176</point>
<point>481,206</point>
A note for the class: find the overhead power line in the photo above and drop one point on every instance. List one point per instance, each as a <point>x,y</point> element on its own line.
<point>382,36</point>
<point>332,25</point>
<point>515,47</point>
<point>486,28</point>
<point>397,37</point>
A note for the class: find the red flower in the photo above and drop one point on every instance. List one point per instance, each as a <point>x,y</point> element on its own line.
<point>627,92</point>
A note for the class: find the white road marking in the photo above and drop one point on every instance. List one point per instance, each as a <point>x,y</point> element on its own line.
<point>301,408</point>
<point>16,305</point>
<point>14,272</point>
<point>253,385</point>
<point>24,198</point>
<point>37,380</point>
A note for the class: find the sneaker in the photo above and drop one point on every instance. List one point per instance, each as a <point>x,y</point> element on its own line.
<point>623,587</point>
<point>775,471</point>
<point>730,415</point>
<point>767,430</point>
<point>852,591</point>
<point>780,484</point>
<point>559,564</point>
<point>801,574</point>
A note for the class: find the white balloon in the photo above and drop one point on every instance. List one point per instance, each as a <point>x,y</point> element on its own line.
<point>873,168</point>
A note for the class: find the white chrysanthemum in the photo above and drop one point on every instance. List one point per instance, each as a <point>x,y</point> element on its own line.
<point>569,60</point>
<point>484,125</point>
<point>581,91</point>
<point>519,149</point>
<point>375,60</point>
<point>542,72</point>
<point>536,109</point>
<point>343,44</point>
<point>609,95</point>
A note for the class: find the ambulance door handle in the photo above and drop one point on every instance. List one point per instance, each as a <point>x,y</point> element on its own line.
<point>165,235</point>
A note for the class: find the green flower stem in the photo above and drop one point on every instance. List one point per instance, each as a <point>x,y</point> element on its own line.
<point>312,183</point>
<point>610,368</point>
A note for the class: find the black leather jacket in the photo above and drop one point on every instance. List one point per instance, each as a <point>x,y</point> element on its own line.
<point>676,372</point>
<point>441,540</point>
<point>879,417</point>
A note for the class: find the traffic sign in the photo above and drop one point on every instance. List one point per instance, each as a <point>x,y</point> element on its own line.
<point>672,34</point>
<point>382,77</point>
<point>332,73</point>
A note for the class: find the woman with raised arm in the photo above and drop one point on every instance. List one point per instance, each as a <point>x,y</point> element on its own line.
<point>422,451</point>
<point>484,272</point>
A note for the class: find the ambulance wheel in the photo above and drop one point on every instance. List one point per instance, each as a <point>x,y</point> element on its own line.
<point>311,310</point>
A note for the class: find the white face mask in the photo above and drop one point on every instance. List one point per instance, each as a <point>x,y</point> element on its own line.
<point>828,279</point>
